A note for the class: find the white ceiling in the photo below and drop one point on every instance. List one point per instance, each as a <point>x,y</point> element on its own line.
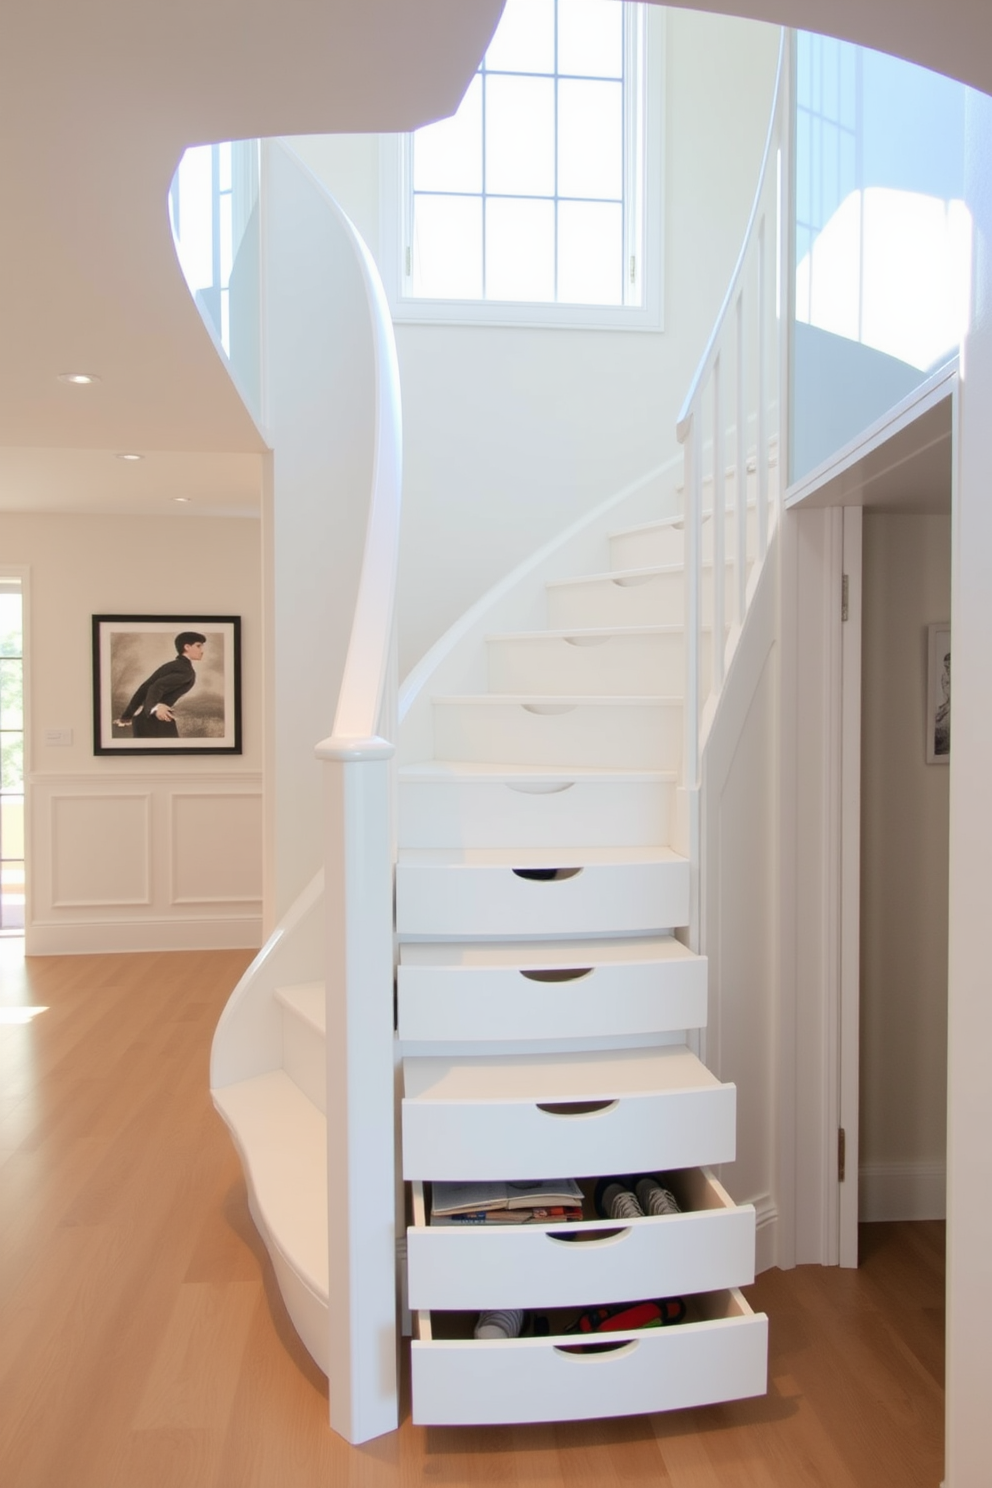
<point>97,103</point>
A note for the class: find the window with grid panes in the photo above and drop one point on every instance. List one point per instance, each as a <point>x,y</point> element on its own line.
<point>532,195</point>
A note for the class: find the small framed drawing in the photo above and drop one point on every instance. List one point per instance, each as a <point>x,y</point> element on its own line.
<point>166,684</point>
<point>939,694</point>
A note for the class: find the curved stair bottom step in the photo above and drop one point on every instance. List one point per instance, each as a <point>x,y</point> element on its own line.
<point>281,1139</point>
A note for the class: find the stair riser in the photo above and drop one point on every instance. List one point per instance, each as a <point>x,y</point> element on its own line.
<point>638,737</point>
<point>614,666</point>
<point>480,1003</point>
<point>614,814</point>
<point>303,1058</point>
<point>655,600</point>
<point>440,900</point>
<point>654,546</point>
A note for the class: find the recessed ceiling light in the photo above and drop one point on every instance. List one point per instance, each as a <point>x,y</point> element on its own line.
<point>80,378</point>
<point>182,498</point>
<point>130,455</point>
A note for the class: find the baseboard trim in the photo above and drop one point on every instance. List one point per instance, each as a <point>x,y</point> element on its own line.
<point>766,1233</point>
<point>906,1190</point>
<point>88,938</point>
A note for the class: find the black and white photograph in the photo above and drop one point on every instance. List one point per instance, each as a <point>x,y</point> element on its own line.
<point>166,684</point>
<point>939,693</point>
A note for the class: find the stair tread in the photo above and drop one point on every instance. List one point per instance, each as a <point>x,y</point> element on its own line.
<point>472,772</point>
<point>660,525</point>
<point>586,632</point>
<point>559,700</point>
<point>552,953</point>
<point>306,1000</point>
<point>612,576</point>
<point>282,1138</point>
<point>654,571</point>
<point>589,1075</point>
<point>536,857</point>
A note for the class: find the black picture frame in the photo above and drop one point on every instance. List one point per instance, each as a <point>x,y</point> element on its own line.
<point>130,651</point>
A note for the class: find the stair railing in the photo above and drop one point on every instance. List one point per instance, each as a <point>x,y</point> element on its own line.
<point>737,401</point>
<point>359,857</point>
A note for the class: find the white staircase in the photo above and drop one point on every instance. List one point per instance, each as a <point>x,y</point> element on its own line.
<point>544,1014</point>
<point>547,1001</point>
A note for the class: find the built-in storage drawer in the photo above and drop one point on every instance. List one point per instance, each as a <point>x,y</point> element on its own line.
<point>541,891</point>
<point>709,1245</point>
<point>719,1353</point>
<point>547,1116</point>
<point>549,990</point>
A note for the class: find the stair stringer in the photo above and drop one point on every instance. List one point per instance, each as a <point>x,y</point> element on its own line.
<point>736,876</point>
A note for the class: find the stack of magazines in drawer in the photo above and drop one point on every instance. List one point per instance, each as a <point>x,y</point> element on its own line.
<point>553,1201</point>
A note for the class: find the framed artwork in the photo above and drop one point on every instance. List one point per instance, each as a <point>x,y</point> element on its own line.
<point>166,684</point>
<point>939,693</point>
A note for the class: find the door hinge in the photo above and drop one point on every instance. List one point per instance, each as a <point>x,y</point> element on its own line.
<point>633,269</point>
<point>409,262</point>
<point>843,596</point>
<point>841,1154</point>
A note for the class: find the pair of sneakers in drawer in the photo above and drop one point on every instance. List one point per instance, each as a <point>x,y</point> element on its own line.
<point>634,1198</point>
<point>620,1317</point>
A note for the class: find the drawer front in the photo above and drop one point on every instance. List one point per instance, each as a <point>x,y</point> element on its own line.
<point>475,1383</point>
<point>568,813</point>
<point>625,898</point>
<point>530,1266</point>
<point>458,1003</point>
<point>494,1140</point>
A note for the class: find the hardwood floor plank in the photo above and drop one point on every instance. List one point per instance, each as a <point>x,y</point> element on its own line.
<point>144,1344</point>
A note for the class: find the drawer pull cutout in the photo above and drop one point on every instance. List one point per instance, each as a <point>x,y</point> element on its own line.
<point>539,787</point>
<point>557,973</point>
<point>577,1108</point>
<point>588,1237</point>
<point>591,1351</point>
<point>546,875</point>
<point>631,581</point>
<point>549,710</point>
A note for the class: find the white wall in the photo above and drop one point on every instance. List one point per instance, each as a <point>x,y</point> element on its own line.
<point>320,417</point>
<point>904,847</point>
<point>136,853</point>
<point>511,434</point>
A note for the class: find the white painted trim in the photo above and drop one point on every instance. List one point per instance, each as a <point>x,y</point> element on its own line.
<point>107,937</point>
<point>206,795</point>
<point>903,1190</point>
<point>766,1233</point>
<point>104,795</point>
<point>850,885</point>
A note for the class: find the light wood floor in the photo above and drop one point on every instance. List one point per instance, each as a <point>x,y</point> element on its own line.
<point>143,1343</point>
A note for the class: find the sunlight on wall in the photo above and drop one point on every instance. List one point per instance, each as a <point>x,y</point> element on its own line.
<point>891,269</point>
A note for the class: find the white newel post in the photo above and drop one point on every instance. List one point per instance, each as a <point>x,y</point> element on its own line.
<point>362,1364</point>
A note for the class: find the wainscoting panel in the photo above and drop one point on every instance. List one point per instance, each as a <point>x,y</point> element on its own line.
<point>131,861</point>
<point>100,850</point>
<point>216,847</point>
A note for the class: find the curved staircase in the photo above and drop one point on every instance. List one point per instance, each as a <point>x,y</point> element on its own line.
<point>537,899</point>
<point>532,857</point>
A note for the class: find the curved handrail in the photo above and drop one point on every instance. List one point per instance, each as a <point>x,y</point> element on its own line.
<point>706,360</point>
<point>368,662</point>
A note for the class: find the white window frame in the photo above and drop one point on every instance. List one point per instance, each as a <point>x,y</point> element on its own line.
<point>644,186</point>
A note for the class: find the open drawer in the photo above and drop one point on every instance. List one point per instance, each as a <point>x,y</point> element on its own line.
<point>719,1353</point>
<point>709,1245</point>
<point>542,1116</point>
